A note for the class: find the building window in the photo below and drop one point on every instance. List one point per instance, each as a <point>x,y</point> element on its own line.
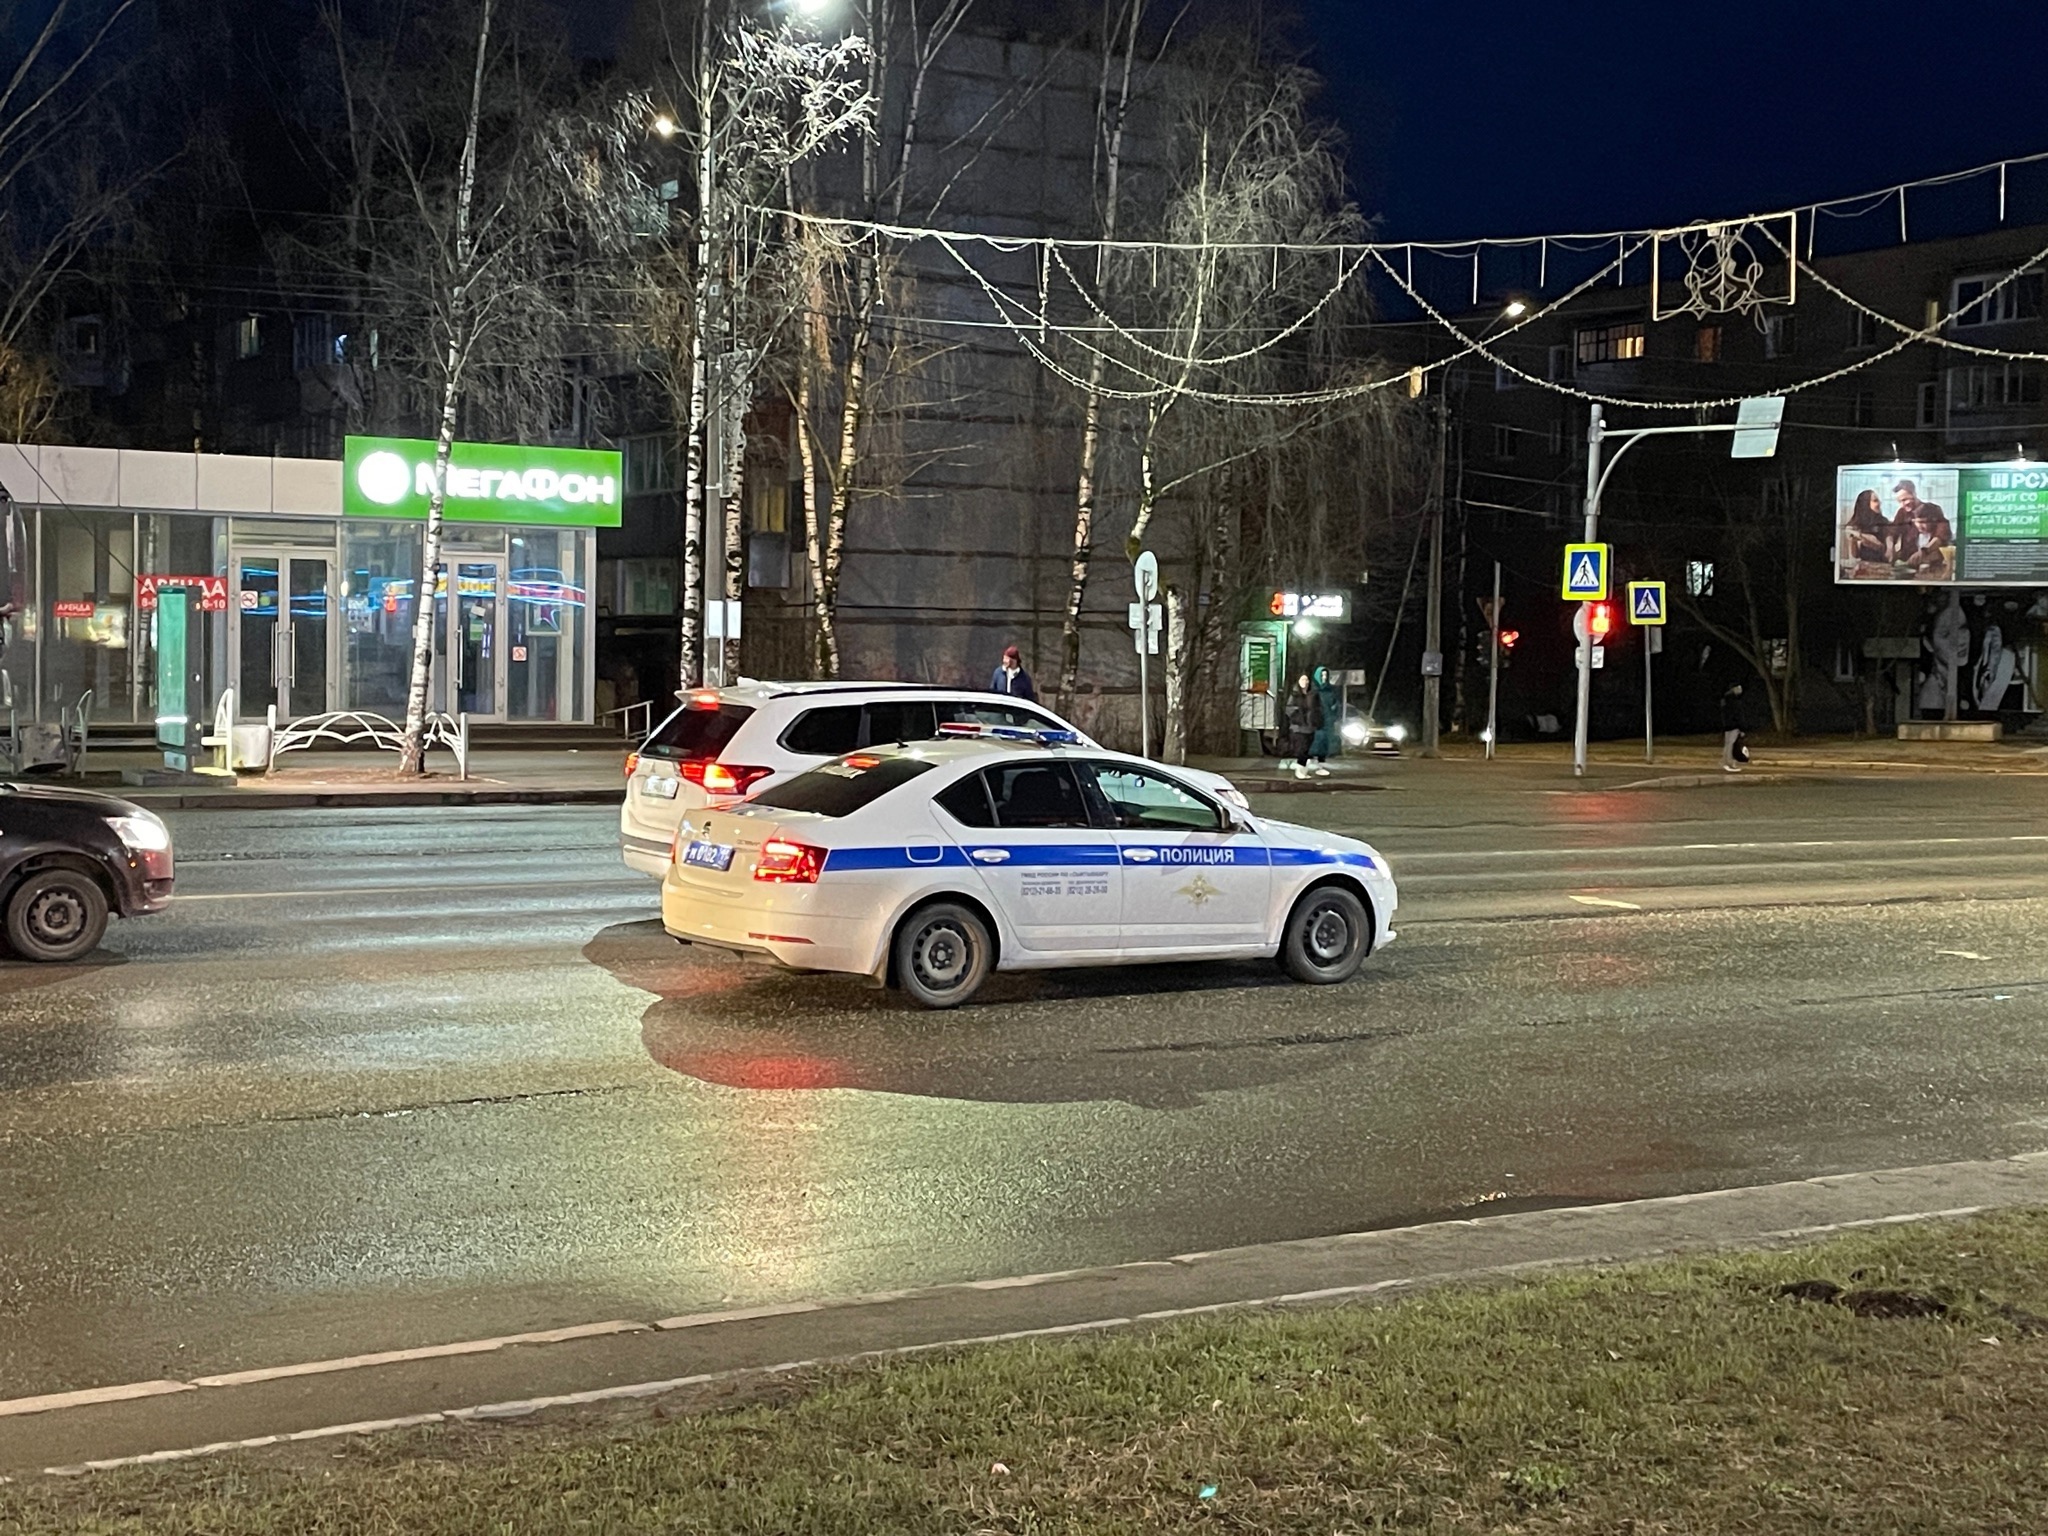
<point>1781,336</point>
<point>1699,578</point>
<point>1930,395</point>
<point>1972,301</point>
<point>1560,363</point>
<point>647,588</point>
<point>650,462</point>
<point>312,342</point>
<point>1504,441</point>
<point>1556,438</point>
<point>1706,344</point>
<point>1992,387</point>
<point>1863,409</point>
<point>1502,379</point>
<point>1845,662</point>
<point>248,336</point>
<point>1862,329</point>
<point>86,336</point>
<point>1611,343</point>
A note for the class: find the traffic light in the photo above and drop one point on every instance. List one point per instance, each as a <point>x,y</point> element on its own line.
<point>1600,620</point>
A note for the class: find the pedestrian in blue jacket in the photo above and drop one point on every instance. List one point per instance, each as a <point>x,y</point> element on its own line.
<point>1011,678</point>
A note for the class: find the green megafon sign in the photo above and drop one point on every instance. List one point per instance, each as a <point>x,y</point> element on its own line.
<point>487,482</point>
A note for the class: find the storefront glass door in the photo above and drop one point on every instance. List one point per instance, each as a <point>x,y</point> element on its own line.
<point>283,633</point>
<point>470,638</point>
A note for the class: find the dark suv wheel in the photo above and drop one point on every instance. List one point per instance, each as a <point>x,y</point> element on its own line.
<point>943,953</point>
<point>56,915</point>
<point>1327,937</point>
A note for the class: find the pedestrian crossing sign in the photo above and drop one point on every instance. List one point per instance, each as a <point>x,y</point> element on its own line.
<point>1585,572</point>
<point>1646,602</point>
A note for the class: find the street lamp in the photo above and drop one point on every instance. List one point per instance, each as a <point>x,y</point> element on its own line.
<point>664,126</point>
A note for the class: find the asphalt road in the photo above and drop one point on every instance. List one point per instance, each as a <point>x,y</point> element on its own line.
<point>390,1078</point>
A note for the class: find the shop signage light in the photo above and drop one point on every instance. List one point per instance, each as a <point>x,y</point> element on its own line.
<point>1335,606</point>
<point>393,477</point>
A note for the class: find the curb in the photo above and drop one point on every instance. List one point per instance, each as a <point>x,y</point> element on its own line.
<point>157,1420</point>
<point>342,799</point>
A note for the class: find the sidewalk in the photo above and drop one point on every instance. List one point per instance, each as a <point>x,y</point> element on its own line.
<point>497,776</point>
<point>613,1359</point>
<point>1681,761</point>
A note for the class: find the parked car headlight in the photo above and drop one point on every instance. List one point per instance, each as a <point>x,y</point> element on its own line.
<point>142,832</point>
<point>1397,733</point>
<point>1354,731</point>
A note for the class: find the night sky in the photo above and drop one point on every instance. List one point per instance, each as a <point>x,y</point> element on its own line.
<point>1481,117</point>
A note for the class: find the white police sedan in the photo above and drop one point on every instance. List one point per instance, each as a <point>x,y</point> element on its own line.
<point>929,865</point>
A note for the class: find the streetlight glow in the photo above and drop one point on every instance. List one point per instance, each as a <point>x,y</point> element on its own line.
<point>1516,309</point>
<point>664,126</point>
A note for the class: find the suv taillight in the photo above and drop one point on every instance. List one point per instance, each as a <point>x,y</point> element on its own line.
<point>722,778</point>
<point>788,863</point>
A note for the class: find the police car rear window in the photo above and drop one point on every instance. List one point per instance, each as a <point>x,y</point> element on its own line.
<point>695,733</point>
<point>841,788</point>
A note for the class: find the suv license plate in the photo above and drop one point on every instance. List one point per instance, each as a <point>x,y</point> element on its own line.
<point>709,855</point>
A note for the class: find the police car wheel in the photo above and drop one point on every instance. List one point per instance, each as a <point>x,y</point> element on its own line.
<point>56,915</point>
<point>943,954</point>
<point>1327,936</point>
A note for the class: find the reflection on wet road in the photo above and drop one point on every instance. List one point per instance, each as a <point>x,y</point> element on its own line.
<point>386,1078</point>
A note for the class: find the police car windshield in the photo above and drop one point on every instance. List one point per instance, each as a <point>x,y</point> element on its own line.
<point>841,788</point>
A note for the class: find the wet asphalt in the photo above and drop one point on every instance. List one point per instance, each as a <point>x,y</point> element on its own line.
<point>383,1078</point>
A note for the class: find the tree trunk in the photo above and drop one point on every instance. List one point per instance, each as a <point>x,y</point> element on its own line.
<point>689,641</point>
<point>1173,747</point>
<point>413,751</point>
<point>825,647</point>
<point>735,583</point>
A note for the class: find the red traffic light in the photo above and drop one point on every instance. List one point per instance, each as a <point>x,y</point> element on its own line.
<point>1600,619</point>
<point>1508,637</point>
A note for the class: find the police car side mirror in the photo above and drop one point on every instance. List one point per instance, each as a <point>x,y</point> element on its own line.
<point>1238,821</point>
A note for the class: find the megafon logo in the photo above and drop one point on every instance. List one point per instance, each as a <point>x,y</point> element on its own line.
<point>384,477</point>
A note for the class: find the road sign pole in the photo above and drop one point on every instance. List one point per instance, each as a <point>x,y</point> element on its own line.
<point>1493,670</point>
<point>1649,729</point>
<point>1593,434</point>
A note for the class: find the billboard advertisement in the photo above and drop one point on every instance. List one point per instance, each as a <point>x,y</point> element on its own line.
<point>1968,524</point>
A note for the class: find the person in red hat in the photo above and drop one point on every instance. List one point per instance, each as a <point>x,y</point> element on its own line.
<point>1011,678</point>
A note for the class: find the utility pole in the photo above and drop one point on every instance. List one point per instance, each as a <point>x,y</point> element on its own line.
<point>1595,430</point>
<point>1493,669</point>
<point>1433,622</point>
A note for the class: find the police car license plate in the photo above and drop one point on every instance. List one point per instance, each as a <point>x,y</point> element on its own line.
<point>709,855</point>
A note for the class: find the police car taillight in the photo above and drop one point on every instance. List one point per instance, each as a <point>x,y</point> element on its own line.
<point>632,762</point>
<point>722,778</point>
<point>787,863</point>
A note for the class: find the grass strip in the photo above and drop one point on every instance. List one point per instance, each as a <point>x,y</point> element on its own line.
<point>1689,1396</point>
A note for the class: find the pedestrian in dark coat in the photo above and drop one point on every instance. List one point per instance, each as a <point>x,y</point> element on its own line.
<point>1011,678</point>
<point>1733,753</point>
<point>1304,719</point>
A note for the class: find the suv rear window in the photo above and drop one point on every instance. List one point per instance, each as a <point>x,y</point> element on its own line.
<point>696,733</point>
<point>841,788</point>
<point>824,732</point>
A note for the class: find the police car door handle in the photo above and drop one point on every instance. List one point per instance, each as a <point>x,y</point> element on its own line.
<point>990,855</point>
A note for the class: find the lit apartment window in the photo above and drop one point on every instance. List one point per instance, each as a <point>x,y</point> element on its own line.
<point>1699,577</point>
<point>1610,343</point>
<point>1973,301</point>
<point>1706,344</point>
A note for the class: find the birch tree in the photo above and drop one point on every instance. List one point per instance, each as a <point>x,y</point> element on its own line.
<point>480,198</point>
<point>740,103</point>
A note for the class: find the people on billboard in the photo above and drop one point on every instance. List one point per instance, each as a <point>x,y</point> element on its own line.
<point>1867,533</point>
<point>1914,542</point>
<point>1922,539</point>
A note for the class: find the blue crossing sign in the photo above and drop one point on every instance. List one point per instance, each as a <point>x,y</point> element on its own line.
<point>1585,572</point>
<point>1646,602</point>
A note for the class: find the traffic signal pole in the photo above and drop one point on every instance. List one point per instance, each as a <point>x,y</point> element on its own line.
<point>1493,670</point>
<point>1757,438</point>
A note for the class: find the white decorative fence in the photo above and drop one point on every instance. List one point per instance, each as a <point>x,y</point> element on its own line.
<point>352,727</point>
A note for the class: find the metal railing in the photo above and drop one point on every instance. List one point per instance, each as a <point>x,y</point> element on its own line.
<point>625,714</point>
<point>351,727</point>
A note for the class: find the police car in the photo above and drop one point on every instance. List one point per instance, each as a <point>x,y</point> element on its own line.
<point>721,745</point>
<point>926,866</point>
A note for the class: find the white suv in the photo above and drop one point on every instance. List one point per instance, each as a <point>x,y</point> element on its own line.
<point>723,744</point>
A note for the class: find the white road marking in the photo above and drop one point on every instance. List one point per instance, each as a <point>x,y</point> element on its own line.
<point>1963,954</point>
<point>1606,901</point>
<point>50,1402</point>
<point>424,1352</point>
<point>472,887</point>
